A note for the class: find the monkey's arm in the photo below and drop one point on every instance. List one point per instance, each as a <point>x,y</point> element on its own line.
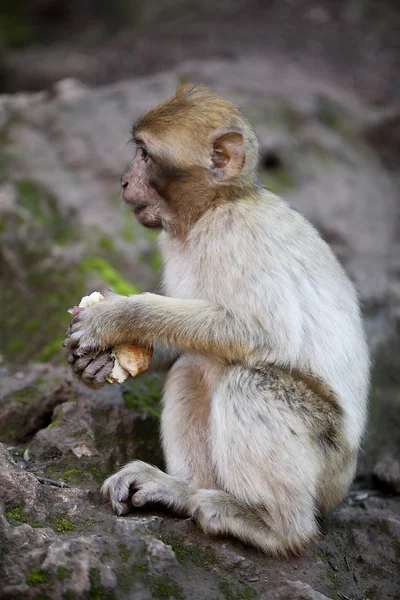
<point>185,325</point>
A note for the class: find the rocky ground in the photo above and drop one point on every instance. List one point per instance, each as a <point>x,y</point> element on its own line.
<point>331,149</point>
<point>59,539</point>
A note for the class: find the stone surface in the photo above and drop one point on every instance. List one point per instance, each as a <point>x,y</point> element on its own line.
<point>387,474</point>
<point>64,231</point>
<point>293,590</point>
<point>64,542</point>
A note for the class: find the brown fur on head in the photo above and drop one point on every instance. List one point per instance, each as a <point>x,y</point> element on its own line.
<point>195,149</point>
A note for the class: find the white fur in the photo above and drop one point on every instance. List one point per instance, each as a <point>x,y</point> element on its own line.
<point>271,265</point>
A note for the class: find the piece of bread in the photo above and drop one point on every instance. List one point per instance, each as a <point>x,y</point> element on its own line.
<point>128,359</point>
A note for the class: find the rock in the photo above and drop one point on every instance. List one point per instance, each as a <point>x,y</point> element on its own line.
<point>29,399</point>
<point>68,147</point>
<point>387,474</point>
<point>66,541</point>
<point>85,434</point>
<point>293,590</point>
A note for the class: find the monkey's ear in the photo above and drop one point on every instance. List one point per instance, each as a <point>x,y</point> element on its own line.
<point>227,154</point>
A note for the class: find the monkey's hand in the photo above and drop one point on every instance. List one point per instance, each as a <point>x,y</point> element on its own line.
<point>92,369</point>
<point>98,327</point>
<point>184,325</point>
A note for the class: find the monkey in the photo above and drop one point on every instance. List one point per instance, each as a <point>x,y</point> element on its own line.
<point>265,401</point>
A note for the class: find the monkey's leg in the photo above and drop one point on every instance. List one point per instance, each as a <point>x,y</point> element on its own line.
<point>185,424</point>
<point>265,463</point>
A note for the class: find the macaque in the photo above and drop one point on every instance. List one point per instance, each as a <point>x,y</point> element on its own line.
<point>265,402</point>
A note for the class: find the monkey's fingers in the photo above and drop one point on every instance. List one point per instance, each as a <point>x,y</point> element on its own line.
<point>116,497</point>
<point>100,378</point>
<point>94,371</point>
<point>119,487</point>
<point>81,344</point>
<point>71,358</point>
<point>81,362</point>
<point>70,343</point>
<point>74,326</point>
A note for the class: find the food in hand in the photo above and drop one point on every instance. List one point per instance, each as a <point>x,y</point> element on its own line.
<point>128,359</point>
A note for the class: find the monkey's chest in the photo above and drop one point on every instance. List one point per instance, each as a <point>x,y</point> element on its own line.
<point>182,283</point>
<point>184,278</point>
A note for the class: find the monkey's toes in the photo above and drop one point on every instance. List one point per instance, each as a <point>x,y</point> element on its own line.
<point>137,483</point>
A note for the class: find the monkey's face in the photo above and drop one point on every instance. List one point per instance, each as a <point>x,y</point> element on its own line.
<point>139,190</point>
<point>192,150</point>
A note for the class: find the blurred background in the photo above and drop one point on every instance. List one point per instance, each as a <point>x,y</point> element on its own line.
<point>320,81</point>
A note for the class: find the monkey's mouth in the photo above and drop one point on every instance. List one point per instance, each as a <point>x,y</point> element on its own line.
<point>138,209</point>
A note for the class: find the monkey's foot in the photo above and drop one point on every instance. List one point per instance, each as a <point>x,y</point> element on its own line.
<point>142,483</point>
<point>213,510</point>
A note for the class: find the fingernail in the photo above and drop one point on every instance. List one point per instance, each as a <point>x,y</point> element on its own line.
<point>118,510</point>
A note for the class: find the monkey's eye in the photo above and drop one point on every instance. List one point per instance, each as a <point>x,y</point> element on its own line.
<point>144,152</point>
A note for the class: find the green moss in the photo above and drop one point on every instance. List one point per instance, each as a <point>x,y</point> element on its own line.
<point>241,592</point>
<point>38,577</point>
<point>54,423</point>
<point>153,257</point>
<point>43,206</point>
<point>106,243</point>
<point>152,234</point>
<point>128,233</point>
<point>63,573</point>
<point>371,592</point>
<point>69,595</point>
<point>199,557</point>
<point>143,395</point>
<point>164,590</point>
<point>140,567</point>
<point>51,350</point>
<point>78,434</point>
<point>113,278</point>
<point>25,395</point>
<point>332,578</point>
<point>73,476</point>
<point>106,556</point>
<point>128,576</point>
<point>15,346</point>
<point>62,525</point>
<point>156,260</point>
<point>138,403</point>
<point>96,472</point>
<point>32,325</point>
<point>96,588</point>
<point>277,180</point>
<point>124,552</point>
<point>36,524</point>
<point>15,514</point>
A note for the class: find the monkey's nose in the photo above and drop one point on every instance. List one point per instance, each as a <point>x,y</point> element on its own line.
<point>124,184</point>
